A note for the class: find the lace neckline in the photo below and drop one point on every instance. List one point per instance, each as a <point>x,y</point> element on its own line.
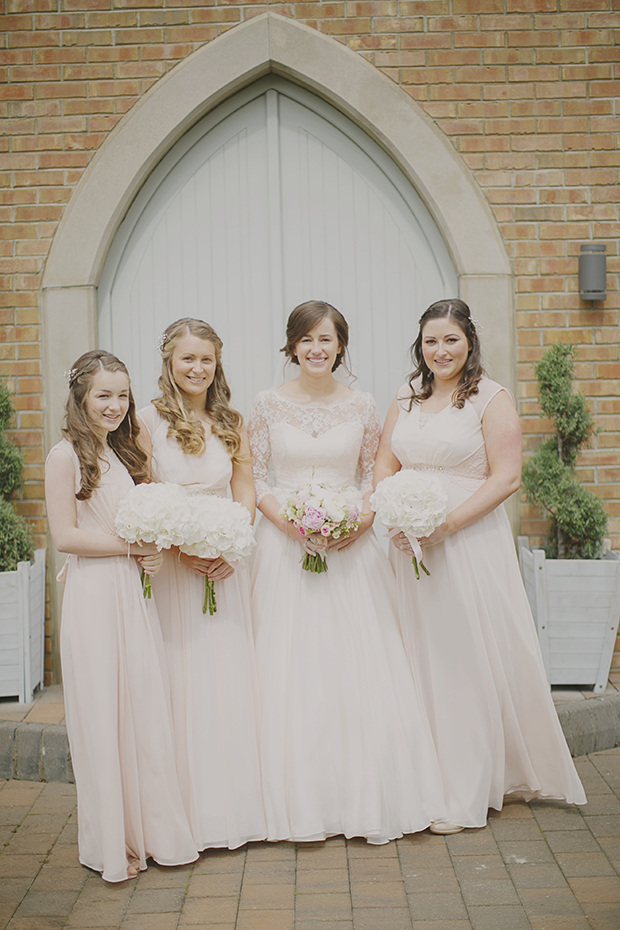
<point>313,403</point>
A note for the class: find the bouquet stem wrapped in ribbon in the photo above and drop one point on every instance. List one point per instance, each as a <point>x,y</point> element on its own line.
<point>199,523</point>
<point>413,502</point>
<point>318,508</point>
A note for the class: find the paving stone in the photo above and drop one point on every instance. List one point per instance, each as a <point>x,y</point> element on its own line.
<point>602,916</point>
<point>210,910</point>
<point>327,858</point>
<point>571,841</point>
<point>47,904</point>
<point>375,870</point>
<point>441,925</point>
<point>428,905</point>
<point>12,890</point>
<point>37,923</point>
<point>323,906</point>
<point>159,876</point>
<point>156,900</point>
<point>526,831</point>
<point>325,925</point>
<point>13,816</point>
<point>150,922</point>
<point>540,875</point>
<point>494,891</point>
<point>265,851</point>
<point>43,823</point>
<point>479,867</point>
<point>430,880</point>
<point>220,884</point>
<point>67,879</point>
<point>601,804</point>
<point>513,809</point>
<point>601,888</point>
<point>220,860</point>
<point>567,819</point>
<point>560,923</point>
<point>378,894</point>
<point>96,914</point>
<point>549,902</point>
<point>436,856</point>
<point>472,843</point>
<point>265,920</point>
<point>321,880</point>
<point>604,826</point>
<point>499,918</point>
<point>380,918</point>
<point>267,897</point>
<point>575,864</point>
<point>264,873</point>
<point>13,866</point>
<point>521,853</point>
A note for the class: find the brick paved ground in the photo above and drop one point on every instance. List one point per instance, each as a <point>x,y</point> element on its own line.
<point>542,866</point>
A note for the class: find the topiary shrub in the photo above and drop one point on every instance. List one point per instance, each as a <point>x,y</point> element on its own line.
<point>15,537</point>
<point>578,521</point>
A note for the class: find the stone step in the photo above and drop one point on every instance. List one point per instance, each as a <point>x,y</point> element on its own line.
<point>33,747</point>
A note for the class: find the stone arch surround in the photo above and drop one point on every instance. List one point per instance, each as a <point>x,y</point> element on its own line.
<point>269,43</point>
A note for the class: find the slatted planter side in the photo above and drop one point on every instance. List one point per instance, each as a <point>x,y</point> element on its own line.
<point>576,607</point>
<point>22,628</point>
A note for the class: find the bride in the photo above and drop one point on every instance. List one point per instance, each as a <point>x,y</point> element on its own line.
<point>346,748</point>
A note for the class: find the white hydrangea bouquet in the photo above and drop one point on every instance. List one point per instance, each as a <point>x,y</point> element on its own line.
<point>154,513</point>
<point>413,502</point>
<point>318,508</point>
<point>222,530</point>
<point>199,524</point>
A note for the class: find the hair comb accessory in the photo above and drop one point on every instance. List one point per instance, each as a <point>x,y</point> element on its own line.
<point>161,342</point>
<point>69,376</point>
<point>477,324</point>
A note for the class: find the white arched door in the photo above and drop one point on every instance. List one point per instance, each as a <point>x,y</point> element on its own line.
<point>273,199</point>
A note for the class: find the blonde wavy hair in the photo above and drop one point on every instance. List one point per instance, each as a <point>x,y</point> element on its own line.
<point>78,429</point>
<point>184,426</point>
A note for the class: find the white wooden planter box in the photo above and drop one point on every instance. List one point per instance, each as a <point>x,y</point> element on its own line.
<point>576,607</point>
<point>22,628</point>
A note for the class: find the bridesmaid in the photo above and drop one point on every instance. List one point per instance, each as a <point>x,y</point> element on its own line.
<point>198,440</point>
<point>346,747</point>
<point>115,685</point>
<point>468,628</point>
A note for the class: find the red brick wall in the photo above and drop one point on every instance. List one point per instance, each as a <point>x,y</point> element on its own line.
<point>525,90</point>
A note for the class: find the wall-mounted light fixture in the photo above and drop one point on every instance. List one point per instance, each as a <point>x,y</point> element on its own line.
<point>592,271</point>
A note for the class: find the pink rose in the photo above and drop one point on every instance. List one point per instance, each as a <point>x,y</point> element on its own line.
<point>354,512</point>
<point>313,518</point>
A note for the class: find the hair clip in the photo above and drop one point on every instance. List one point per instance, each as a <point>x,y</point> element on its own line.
<point>476,323</point>
<point>69,376</point>
<point>161,342</point>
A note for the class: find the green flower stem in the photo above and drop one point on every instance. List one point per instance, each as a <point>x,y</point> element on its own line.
<point>146,585</point>
<point>417,570</point>
<point>210,601</point>
<point>315,563</point>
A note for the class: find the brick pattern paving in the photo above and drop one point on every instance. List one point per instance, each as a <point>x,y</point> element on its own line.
<point>542,866</point>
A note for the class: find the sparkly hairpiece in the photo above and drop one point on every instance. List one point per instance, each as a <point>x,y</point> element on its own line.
<point>69,376</point>
<point>161,342</point>
<point>477,324</point>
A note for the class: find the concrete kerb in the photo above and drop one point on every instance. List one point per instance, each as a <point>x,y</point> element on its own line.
<point>35,752</point>
<point>40,752</point>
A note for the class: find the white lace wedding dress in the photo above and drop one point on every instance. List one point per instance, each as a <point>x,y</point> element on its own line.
<point>345,745</point>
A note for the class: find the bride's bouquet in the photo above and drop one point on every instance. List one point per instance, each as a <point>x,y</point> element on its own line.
<point>318,508</point>
<point>200,524</point>
<point>413,502</point>
<point>156,513</point>
<point>222,529</point>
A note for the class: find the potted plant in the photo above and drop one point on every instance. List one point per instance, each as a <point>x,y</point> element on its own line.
<point>573,583</point>
<point>22,581</point>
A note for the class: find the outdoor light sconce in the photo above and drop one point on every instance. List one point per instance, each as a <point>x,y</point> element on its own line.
<point>592,271</point>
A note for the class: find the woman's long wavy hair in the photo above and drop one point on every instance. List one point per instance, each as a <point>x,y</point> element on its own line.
<point>89,446</point>
<point>304,318</point>
<point>459,313</point>
<point>184,426</point>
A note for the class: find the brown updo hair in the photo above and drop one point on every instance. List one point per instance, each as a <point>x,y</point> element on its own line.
<point>457,311</point>
<point>187,429</point>
<point>88,445</point>
<point>304,318</point>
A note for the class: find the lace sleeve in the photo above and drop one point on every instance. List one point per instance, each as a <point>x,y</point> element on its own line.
<point>370,443</point>
<point>260,447</point>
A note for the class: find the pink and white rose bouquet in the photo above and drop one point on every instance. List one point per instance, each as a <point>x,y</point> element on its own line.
<point>413,502</point>
<point>330,512</point>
